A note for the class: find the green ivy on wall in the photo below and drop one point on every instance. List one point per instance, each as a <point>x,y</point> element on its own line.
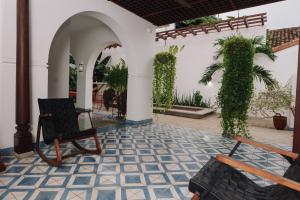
<point>164,77</point>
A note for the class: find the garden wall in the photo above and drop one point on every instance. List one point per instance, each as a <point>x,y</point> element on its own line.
<point>198,54</point>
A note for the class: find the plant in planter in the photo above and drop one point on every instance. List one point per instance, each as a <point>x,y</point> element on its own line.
<point>164,77</point>
<point>195,100</point>
<point>273,103</point>
<point>116,78</point>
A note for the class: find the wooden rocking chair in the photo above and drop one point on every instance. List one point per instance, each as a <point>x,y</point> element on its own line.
<point>220,178</point>
<point>59,122</point>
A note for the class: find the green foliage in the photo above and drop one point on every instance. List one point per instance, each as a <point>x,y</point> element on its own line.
<point>164,77</point>
<point>201,20</point>
<point>272,101</point>
<point>263,75</point>
<point>195,99</point>
<point>117,77</point>
<point>207,75</point>
<point>72,79</point>
<point>100,68</point>
<point>237,86</point>
<point>72,75</point>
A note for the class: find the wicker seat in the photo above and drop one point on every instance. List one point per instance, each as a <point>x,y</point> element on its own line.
<point>220,181</point>
<point>59,123</point>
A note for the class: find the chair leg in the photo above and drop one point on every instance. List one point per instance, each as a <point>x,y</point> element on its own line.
<point>53,162</point>
<point>196,196</point>
<point>58,151</point>
<point>97,144</point>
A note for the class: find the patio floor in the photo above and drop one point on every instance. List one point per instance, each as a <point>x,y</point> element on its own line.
<point>153,161</point>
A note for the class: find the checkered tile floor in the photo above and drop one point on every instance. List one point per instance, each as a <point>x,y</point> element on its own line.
<point>138,162</point>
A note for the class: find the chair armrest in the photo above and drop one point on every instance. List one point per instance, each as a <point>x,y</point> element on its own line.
<point>267,147</point>
<point>83,110</point>
<point>259,172</point>
<point>46,115</point>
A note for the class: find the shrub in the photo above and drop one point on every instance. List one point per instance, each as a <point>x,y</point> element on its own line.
<point>272,101</point>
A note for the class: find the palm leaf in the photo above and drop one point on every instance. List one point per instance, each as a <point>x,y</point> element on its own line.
<point>267,50</point>
<point>209,72</point>
<point>219,42</point>
<point>258,40</point>
<point>263,75</point>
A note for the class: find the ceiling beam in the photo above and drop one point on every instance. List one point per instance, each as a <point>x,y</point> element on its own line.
<point>172,9</point>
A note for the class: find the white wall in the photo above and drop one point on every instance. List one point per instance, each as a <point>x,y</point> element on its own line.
<point>45,19</point>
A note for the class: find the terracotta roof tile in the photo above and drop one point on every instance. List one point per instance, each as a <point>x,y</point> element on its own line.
<point>281,39</point>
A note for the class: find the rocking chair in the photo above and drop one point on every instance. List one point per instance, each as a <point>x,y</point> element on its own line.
<point>220,178</point>
<point>59,123</point>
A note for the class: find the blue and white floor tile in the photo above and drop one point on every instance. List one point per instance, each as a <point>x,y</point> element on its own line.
<point>138,162</point>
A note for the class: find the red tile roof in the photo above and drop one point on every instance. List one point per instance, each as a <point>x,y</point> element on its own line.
<point>283,38</point>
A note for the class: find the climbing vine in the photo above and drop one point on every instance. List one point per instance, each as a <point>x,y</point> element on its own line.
<point>237,86</point>
<point>164,77</point>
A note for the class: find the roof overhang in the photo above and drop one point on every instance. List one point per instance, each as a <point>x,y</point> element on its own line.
<point>162,12</point>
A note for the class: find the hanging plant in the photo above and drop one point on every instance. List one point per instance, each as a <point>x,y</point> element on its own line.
<point>164,77</point>
<point>237,86</point>
<point>239,72</point>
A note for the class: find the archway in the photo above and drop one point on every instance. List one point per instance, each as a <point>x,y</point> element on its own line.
<point>83,36</point>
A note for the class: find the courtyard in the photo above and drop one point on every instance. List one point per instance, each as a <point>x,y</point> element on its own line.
<point>152,161</point>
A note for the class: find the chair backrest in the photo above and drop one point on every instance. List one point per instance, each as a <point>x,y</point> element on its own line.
<point>63,122</point>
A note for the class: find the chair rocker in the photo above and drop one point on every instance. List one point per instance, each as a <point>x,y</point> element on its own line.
<point>58,121</point>
<point>221,178</point>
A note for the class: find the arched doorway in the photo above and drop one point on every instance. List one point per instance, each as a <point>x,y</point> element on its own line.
<point>83,37</point>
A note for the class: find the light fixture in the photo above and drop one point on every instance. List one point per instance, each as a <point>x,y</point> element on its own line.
<point>80,67</point>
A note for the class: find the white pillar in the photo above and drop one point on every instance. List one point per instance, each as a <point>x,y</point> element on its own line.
<point>59,68</point>
<point>139,97</point>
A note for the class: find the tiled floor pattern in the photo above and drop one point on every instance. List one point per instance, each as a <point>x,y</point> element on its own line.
<point>139,162</point>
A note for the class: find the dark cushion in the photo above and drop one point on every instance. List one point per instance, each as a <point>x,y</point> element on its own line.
<point>224,182</point>
<point>63,123</point>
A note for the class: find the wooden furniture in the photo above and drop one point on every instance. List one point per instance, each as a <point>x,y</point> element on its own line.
<point>2,166</point>
<point>221,178</point>
<point>58,121</point>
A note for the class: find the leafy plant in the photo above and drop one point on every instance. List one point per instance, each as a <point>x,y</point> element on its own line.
<point>100,68</point>
<point>195,99</point>
<point>259,73</point>
<point>72,75</point>
<point>198,21</point>
<point>164,76</point>
<point>72,79</point>
<point>116,78</point>
<point>237,85</point>
<point>273,101</point>
<point>239,72</point>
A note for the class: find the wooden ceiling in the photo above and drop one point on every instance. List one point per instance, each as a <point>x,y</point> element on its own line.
<point>162,12</point>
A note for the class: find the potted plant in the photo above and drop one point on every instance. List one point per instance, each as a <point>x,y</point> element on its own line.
<point>116,78</point>
<point>273,103</point>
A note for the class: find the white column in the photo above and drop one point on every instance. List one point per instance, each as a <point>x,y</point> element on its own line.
<point>139,97</point>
